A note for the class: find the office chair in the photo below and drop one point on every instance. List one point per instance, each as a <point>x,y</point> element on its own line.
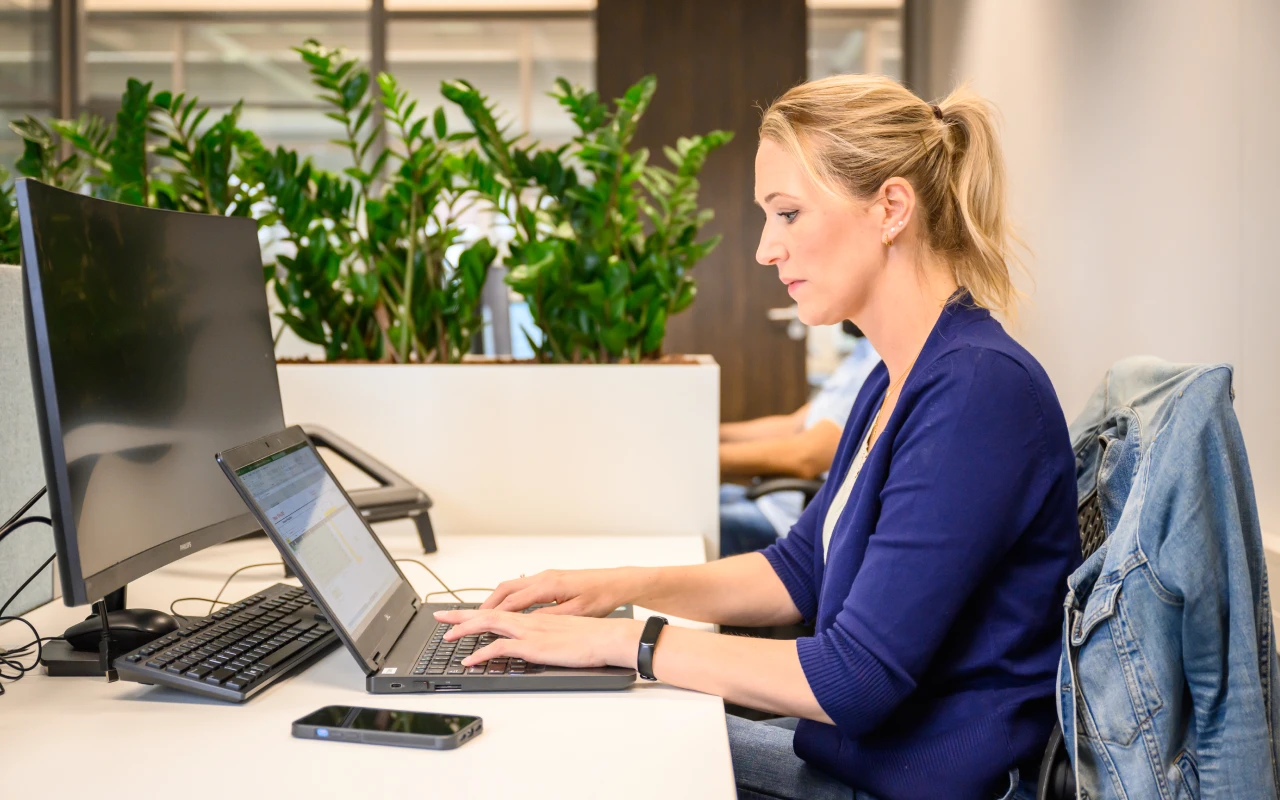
<point>1057,780</point>
<point>768,484</point>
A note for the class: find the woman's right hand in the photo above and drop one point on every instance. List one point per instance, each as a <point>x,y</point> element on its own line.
<point>583,592</point>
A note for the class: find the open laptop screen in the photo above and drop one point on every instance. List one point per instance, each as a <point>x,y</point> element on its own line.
<point>332,545</point>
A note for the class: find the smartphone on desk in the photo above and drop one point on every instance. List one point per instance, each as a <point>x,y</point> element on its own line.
<point>383,726</point>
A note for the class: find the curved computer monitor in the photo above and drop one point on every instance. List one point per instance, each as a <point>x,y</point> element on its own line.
<point>151,350</point>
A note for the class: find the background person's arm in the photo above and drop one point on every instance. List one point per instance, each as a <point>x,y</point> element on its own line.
<point>765,427</point>
<point>807,454</point>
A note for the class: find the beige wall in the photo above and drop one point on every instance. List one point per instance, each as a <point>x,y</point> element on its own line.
<point>1142,140</point>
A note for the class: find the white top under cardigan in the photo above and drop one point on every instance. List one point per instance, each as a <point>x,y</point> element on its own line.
<point>846,488</point>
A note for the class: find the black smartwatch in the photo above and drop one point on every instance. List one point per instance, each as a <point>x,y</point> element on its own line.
<point>648,641</point>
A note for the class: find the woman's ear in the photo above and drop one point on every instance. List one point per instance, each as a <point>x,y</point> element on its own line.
<point>898,203</point>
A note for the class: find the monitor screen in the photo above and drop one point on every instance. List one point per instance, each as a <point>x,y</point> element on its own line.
<point>151,350</point>
<point>334,548</point>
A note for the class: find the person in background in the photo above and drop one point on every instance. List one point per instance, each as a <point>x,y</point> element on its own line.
<point>796,445</point>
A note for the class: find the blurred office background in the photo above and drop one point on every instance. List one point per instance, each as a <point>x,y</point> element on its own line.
<point>1141,139</point>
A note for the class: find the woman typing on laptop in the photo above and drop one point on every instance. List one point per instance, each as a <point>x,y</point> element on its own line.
<point>934,561</point>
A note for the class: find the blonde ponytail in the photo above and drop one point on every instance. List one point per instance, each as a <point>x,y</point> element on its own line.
<point>851,133</point>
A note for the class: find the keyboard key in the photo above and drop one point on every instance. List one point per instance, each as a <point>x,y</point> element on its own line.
<point>497,669</point>
<point>456,671</point>
<point>199,671</point>
<point>135,658</point>
<point>476,670</point>
<point>155,664</point>
<point>238,682</point>
<point>219,675</point>
<point>282,655</point>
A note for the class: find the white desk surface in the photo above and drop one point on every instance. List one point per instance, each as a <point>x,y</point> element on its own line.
<point>123,739</point>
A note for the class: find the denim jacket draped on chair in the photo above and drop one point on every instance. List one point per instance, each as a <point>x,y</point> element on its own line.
<point>1168,674</point>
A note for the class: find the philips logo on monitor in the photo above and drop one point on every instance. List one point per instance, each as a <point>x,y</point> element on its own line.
<point>184,546</point>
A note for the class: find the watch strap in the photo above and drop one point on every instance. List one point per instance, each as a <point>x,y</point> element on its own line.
<point>648,643</point>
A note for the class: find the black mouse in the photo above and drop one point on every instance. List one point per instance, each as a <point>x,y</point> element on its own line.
<point>130,629</point>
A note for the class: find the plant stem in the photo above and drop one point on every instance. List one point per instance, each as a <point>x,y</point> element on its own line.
<point>406,313</point>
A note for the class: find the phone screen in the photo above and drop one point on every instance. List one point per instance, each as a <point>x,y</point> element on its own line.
<point>378,719</point>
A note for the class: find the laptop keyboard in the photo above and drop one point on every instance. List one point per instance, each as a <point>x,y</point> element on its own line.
<point>445,658</point>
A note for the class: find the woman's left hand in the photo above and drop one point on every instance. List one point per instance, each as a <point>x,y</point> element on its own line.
<point>552,639</point>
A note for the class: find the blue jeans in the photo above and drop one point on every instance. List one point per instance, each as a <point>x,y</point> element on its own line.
<point>765,767</point>
<point>743,526</point>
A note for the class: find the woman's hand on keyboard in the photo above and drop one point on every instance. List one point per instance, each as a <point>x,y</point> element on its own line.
<point>556,640</point>
<point>585,592</point>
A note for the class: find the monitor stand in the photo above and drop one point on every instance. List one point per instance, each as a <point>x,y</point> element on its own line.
<point>61,660</point>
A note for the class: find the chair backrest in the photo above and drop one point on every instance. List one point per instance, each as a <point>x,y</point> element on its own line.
<point>1093,529</point>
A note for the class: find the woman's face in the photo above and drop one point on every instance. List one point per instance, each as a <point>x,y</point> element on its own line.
<point>827,250</point>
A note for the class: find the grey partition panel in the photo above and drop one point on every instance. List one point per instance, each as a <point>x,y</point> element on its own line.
<point>21,467</point>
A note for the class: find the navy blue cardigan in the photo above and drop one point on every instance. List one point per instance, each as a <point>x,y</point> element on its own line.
<point>938,612</point>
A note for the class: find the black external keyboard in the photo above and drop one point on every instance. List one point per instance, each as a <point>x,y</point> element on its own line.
<point>445,658</point>
<point>237,652</point>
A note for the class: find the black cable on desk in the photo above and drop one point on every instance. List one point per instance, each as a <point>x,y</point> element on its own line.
<point>217,598</point>
<point>447,590</point>
<point>10,658</point>
<point>211,603</point>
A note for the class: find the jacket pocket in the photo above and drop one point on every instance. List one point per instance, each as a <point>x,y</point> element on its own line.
<point>1117,694</point>
<point>1185,777</point>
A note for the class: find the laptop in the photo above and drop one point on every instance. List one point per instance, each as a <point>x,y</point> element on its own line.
<point>375,611</point>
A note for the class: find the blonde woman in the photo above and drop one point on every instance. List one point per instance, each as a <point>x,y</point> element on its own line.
<point>934,562</point>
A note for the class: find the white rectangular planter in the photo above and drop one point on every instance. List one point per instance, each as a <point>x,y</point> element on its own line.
<point>534,448</point>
